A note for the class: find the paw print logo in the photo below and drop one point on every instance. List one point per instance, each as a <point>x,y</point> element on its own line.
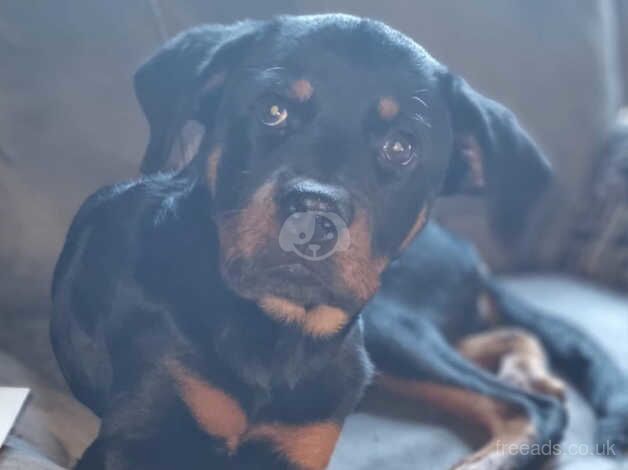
<point>314,235</point>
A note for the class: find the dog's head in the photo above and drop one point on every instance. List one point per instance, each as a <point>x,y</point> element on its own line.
<point>326,140</point>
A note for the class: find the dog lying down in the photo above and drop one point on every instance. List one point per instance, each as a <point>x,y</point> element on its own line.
<point>228,310</point>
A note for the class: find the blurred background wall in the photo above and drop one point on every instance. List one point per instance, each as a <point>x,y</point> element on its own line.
<point>69,122</point>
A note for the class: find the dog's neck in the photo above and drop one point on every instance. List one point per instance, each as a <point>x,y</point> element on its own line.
<point>267,354</point>
<point>256,348</point>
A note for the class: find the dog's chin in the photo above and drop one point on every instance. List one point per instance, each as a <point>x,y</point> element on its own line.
<point>292,281</point>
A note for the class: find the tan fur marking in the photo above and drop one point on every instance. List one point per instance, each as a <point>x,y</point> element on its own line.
<point>320,321</point>
<point>505,425</point>
<point>388,108</point>
<point>324,320</point>
<point>356,267</point>
<point>308,447</point>
<point>516,356</point>
<point>472,153</point>
<point>419,223</point>
<point>215,411</point>
<point>214,81</point>
<point>302,90</point>
<point>242,234</point>
<point>212,168</point>
<point>282,309</point>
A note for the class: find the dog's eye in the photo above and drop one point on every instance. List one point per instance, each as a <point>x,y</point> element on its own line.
<point>273,114</point>
<point>398,148</point>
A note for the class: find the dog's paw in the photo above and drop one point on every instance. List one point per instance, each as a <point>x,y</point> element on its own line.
<point>520,374</point>
<point>550,385</point>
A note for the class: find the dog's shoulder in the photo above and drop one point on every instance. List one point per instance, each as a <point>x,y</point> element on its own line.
<point>111,218</point>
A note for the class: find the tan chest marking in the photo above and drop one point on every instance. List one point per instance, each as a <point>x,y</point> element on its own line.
<point>217,413</point>
<point>308,447</point>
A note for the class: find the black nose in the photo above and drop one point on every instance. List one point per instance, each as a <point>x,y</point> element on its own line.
<point>304,195</point>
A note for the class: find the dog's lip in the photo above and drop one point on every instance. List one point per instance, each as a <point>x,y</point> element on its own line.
<point>297,270</point>
<point>296,281</point>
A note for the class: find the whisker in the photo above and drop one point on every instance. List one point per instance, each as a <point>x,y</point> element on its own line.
<point>422,120</point>
<point>420,100</point>
<point>266,70</point>
<point>274,69</point>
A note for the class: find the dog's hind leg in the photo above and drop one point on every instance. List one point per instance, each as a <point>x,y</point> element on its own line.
<point>517,357</point>
<point>578,356</point>
<point>415,360</point>
<point>508,427</point>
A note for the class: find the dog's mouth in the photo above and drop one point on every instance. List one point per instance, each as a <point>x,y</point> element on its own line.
<point>294,272</point>
<point>311,258</point>
<point>295,280</point>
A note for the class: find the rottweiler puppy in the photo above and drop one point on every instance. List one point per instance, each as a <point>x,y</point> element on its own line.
<point>229,311</point>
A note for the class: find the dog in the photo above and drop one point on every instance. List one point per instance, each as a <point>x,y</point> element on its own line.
<point>228,312</point>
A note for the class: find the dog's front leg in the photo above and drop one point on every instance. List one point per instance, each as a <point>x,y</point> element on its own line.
<point>148,426</point>
<point>281,446</point>
<point>415,360</point>
<point>94,457</point>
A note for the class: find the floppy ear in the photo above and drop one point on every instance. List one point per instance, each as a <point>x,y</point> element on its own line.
<point>189,69</point>
<point>493,155</point>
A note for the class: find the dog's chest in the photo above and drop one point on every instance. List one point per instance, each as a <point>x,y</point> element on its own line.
<point>236,417</point>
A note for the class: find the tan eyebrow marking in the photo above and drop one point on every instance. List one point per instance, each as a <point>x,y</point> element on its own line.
<point>387,108</point>
<point>302,90</point>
